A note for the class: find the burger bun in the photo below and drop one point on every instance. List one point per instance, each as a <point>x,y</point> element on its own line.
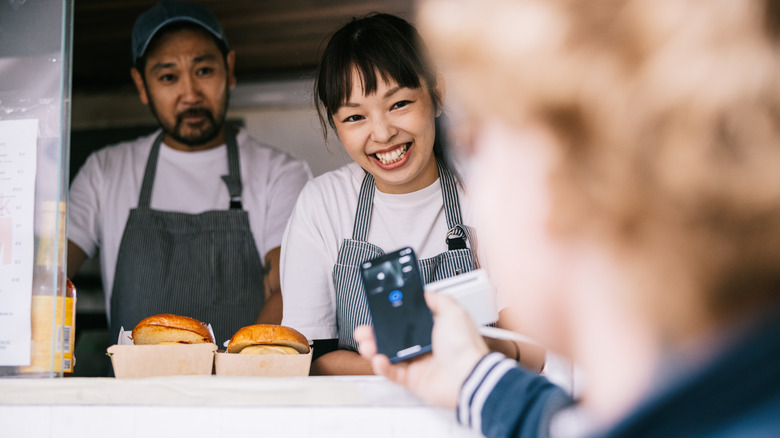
<point>268,339</point>
<point>171,329</point>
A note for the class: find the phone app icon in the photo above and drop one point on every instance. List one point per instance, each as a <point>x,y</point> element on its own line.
<point>395,297</point>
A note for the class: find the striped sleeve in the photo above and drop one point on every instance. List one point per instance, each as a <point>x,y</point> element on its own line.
<point>483,378</point>
<point>500,398</point>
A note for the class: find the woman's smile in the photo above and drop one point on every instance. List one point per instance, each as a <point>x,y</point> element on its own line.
<point>394,157</point>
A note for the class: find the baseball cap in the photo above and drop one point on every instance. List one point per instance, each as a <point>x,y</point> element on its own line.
<point>166,12</point>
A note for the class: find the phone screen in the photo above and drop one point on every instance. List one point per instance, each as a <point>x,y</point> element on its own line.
<point>402,321</point>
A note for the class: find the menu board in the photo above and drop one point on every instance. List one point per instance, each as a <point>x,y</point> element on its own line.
<point>18,142</point>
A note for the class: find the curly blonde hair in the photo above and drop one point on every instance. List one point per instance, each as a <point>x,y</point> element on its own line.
<point>668,117</point>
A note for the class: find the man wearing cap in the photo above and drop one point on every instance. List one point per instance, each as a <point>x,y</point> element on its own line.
<point>181,217</point>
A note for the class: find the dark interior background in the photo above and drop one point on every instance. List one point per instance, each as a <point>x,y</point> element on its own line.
<point>272,38</point>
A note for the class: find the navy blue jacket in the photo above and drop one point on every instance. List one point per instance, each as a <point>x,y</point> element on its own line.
<point>735,394</point>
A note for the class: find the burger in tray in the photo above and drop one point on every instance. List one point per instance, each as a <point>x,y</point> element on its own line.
<point>265,350</point>
<point>165,345</point>
<point>268,339</point>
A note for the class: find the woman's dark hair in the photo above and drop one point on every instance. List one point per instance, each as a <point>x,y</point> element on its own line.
<point>377,46</point>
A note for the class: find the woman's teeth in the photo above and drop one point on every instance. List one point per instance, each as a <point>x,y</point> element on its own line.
<point>392,156</point>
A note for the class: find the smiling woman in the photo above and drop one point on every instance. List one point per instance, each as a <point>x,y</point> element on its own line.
<point>382,96</point>
<point>376,88</point>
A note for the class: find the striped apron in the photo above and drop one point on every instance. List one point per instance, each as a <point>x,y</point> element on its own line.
<point>205,266</point>
<point>351,302</point>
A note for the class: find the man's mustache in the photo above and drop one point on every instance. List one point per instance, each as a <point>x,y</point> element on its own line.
<point>196,112</point>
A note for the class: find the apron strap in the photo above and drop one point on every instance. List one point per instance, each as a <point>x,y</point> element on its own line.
<point>449,192</point>
<point>457,235</point>
<point>365,206</point>
<point>232,180</point>
<point>145,198</point>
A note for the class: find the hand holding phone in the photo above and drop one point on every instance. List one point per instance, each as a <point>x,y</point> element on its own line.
<point>402,321</point>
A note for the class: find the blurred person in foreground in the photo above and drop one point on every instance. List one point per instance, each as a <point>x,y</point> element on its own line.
<point>640,142</point>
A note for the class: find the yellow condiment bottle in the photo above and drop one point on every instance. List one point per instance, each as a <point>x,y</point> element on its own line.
<point>53,312</point>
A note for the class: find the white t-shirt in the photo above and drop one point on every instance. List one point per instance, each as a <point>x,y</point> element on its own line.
<point>108,186</point>
<point>324,216</point>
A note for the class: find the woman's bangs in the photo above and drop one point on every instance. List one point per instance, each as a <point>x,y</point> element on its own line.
<point>370,68</point>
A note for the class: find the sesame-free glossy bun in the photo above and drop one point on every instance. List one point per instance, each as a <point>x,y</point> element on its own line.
<point>167,328</point>
<point>268,334</point>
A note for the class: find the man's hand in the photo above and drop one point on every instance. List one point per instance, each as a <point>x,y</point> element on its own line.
<point>271,274</point>
<point>435,377</point>
<point>273,307</point>
<point>76,257</point>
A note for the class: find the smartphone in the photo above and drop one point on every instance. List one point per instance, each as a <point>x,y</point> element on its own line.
<point>394,289</point>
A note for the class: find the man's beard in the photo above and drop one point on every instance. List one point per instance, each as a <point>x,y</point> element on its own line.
<point>208,130</point>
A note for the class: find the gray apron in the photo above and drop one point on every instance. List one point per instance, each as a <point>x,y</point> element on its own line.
<point>205,266</point>
<point>351,303</point>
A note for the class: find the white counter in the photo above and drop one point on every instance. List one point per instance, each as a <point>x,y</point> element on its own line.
<point>218,407</point>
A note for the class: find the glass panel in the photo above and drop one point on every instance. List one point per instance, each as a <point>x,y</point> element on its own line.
<point>35,50</point>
